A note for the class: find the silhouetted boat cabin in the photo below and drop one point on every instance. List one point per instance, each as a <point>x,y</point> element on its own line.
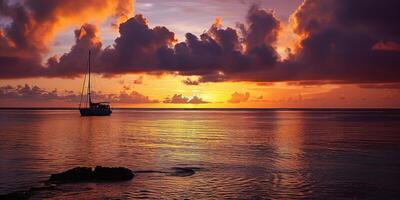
<point>97,109</point>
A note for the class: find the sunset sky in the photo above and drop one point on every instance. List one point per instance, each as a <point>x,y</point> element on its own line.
<point>201,54</point>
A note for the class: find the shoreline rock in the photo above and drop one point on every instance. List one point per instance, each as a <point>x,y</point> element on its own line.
<point>112,174</point>
<point>87,174</point>
<point>96,175</point>
<point>25,194</point>
<point>77,174</point>
<point>182,171</point>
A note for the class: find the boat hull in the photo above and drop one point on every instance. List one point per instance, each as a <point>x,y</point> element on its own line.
<point>95,112</point>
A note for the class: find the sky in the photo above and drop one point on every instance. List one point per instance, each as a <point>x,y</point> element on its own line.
<point>201,54</point>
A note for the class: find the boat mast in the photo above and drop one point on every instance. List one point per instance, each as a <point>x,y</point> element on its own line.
<point>89,91</point>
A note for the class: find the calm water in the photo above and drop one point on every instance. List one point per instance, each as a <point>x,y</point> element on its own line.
<point>253,154</point>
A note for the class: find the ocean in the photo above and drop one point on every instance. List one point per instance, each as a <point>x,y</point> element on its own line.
<point>236,154</point>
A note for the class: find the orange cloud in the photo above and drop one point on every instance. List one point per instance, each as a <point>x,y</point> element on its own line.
<point>290,36</point>
<point>217,22</point>
<point>34,23</point>
<point>239,97</point>
<point>180,99</point>
<point>124,11</point>
<point>138,81</point>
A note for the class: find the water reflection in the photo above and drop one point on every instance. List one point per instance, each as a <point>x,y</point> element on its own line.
<point>292,174</point>
<point>240,154</point>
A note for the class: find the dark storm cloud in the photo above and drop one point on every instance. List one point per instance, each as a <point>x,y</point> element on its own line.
<point>140,48</point>
<point>341,39</point>
<point>262,27</point>
<point>224,51</point>
<point>341,42</point>
<point>137,49</point>
<point>71,64</point>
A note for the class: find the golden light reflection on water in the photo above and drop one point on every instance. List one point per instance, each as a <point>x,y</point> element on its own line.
<point>236,147</point>
<point>242,154</point>
<point>288,144</point>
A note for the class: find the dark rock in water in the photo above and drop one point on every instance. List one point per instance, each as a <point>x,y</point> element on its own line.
<point>86,174</point>
<point>182,171</point>
<point>112,174</point>
<point>174,171</point>
<point>149,171</point>
<point>77,174</point>
<point>43,188</point>
<point>18,195</point>
<point>25,194</point>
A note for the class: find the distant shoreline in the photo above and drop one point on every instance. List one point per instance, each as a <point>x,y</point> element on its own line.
<point>215,109</point>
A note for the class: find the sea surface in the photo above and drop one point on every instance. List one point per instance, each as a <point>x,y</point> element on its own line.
<point>236,154</point>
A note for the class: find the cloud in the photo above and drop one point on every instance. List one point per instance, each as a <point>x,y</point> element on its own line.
<point>33,24</point>
<point>395,86</point>
<point>180,99</point>
<point>239,97</point>
<point>263,27</point>
<point>36,94</point>
<point>132,98</point>
<point>123,11</point>
<point>138,81</point>
<point>27,92</point>
<point>74,63</point>
<point>189,81</point>
<point>197,100</point>
<point>139,48</point>
<point>220,53</point>
<point>340,41</point>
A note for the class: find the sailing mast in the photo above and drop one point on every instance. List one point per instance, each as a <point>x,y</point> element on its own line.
<point>83,90</point>
<point>89,90</point>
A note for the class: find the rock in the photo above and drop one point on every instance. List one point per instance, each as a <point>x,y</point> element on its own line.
<point>42,188</point>
<point>112,174</point>
<point>18,195</point>
<point>149,171</point>
<point>182,171</point>
<point>25,194</point>
<point>86,174</point>
<point>77,174</point>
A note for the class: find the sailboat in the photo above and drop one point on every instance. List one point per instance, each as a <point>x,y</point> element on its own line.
<point>90,108</point>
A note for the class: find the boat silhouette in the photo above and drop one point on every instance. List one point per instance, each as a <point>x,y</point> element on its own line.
<point>91,108</point>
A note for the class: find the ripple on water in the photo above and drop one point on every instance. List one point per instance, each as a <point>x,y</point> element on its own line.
<point>242,154</point>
